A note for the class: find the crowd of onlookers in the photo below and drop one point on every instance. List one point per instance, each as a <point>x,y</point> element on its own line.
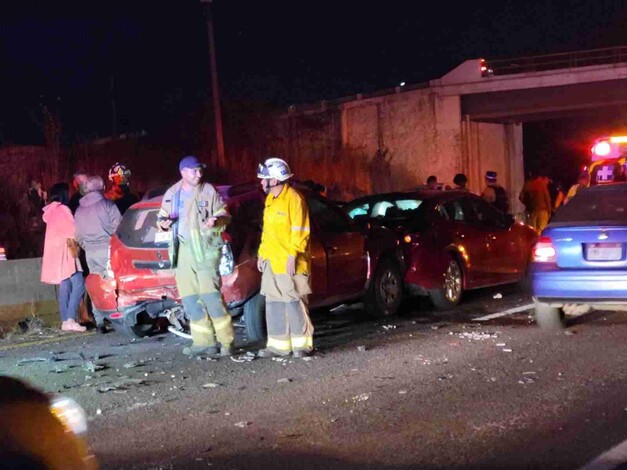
<point>540,196</point>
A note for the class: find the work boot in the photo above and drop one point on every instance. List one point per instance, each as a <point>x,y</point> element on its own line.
<point>301,353</point>
<point>193,351</point>
<point>226,350</point>
<point>269,353</point>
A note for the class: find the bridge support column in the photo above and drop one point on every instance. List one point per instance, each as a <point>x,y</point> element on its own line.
<point>493,147</point>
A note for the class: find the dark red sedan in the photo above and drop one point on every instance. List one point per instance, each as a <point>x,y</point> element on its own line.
<point>451,241</point>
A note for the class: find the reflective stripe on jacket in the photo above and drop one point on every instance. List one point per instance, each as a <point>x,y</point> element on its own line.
<point>286,231</point>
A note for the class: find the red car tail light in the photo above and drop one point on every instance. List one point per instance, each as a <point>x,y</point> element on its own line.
<point>544,251</point>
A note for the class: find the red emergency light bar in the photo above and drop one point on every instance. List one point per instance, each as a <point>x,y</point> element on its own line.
<point>608,147</point>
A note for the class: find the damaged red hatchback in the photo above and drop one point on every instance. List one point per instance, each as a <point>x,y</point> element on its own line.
<point>348,263</point>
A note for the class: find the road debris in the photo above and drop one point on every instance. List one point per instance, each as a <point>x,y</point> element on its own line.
<point>445,377</point>
<point>32,360</point>
<point>243,424</point>
<point>506,350</point>
<point>402,392</point>
<point>206,358</point>
<point>284,381</point>
<point>133,364</point>
<point>476,335</point>
<point>527,380</point>
<point>91,366</point>
<point>248,357</point>
<point>60,369</point>
<point>211,385</point>
<point>501,345</point>
<point>121,385</point>
<point>362,348</point>
<point>389,327</point>
<point>497,296</point>
<point>279,359</point>
<point>361,397</point>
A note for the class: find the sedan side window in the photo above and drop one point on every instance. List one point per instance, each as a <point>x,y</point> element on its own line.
<point>327,218</point>
<point>487,215</point>
<point>452,210</point>
<point>359,211</point>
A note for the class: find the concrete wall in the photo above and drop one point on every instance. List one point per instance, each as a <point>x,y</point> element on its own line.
<point>402,138</point>
<point>22,294</point>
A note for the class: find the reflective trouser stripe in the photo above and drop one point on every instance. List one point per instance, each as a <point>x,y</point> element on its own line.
<point>278,334</point>
<point>279,346</point>
<point>302,343</point>
<point>289,327</point>
<point>202,332</point>
<point>224,330</point>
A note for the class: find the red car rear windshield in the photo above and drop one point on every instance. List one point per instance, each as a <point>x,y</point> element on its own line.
<point>138,228</point>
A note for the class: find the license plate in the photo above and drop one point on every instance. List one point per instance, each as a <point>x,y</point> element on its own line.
<point>605,251</point>
<point>162,237</point>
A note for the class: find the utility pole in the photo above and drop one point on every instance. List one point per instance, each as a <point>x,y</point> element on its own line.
<point>114,118</point>
<point>214,87</point>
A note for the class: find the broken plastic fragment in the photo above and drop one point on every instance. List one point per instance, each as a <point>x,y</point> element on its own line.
<point>211,385</point>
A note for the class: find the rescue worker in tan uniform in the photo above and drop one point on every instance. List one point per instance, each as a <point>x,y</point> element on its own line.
<point>195,215</point>
<point>285,261</point>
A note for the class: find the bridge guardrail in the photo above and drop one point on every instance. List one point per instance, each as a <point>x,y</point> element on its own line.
<point>560,60</point>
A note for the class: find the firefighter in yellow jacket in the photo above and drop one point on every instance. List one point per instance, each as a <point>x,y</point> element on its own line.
<point>195,215</point>
<point>285,261</point>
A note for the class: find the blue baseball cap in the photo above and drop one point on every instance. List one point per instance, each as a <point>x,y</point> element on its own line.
<point>190,162</point>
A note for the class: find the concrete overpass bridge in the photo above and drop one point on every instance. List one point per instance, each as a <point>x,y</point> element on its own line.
<point>470,119</point>
<point>509,92</point>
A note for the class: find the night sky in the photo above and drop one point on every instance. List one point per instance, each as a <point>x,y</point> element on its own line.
<point>270,53</point>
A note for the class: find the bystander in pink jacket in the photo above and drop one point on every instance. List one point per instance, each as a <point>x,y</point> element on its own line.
<point>58,263</point>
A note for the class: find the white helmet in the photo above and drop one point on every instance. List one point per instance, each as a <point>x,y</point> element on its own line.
<point>274,168</point>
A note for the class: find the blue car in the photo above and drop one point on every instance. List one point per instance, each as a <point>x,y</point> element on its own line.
<point>581,256</point>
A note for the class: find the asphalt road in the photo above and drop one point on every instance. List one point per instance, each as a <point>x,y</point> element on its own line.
<point>420,390</point>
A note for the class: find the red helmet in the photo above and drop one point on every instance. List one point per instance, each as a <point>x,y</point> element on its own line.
<point>119,174</point>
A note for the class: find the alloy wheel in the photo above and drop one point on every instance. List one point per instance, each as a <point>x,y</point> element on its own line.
<point>389,288</point>
<point>453,282</point>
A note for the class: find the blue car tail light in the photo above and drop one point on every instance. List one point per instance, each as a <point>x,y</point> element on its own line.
<point>544,251</point>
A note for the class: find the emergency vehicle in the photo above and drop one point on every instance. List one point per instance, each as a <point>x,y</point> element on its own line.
<point>608,155</point>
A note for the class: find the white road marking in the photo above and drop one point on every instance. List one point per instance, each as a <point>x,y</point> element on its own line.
<point>613,458</point>
<point>504,313</point>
